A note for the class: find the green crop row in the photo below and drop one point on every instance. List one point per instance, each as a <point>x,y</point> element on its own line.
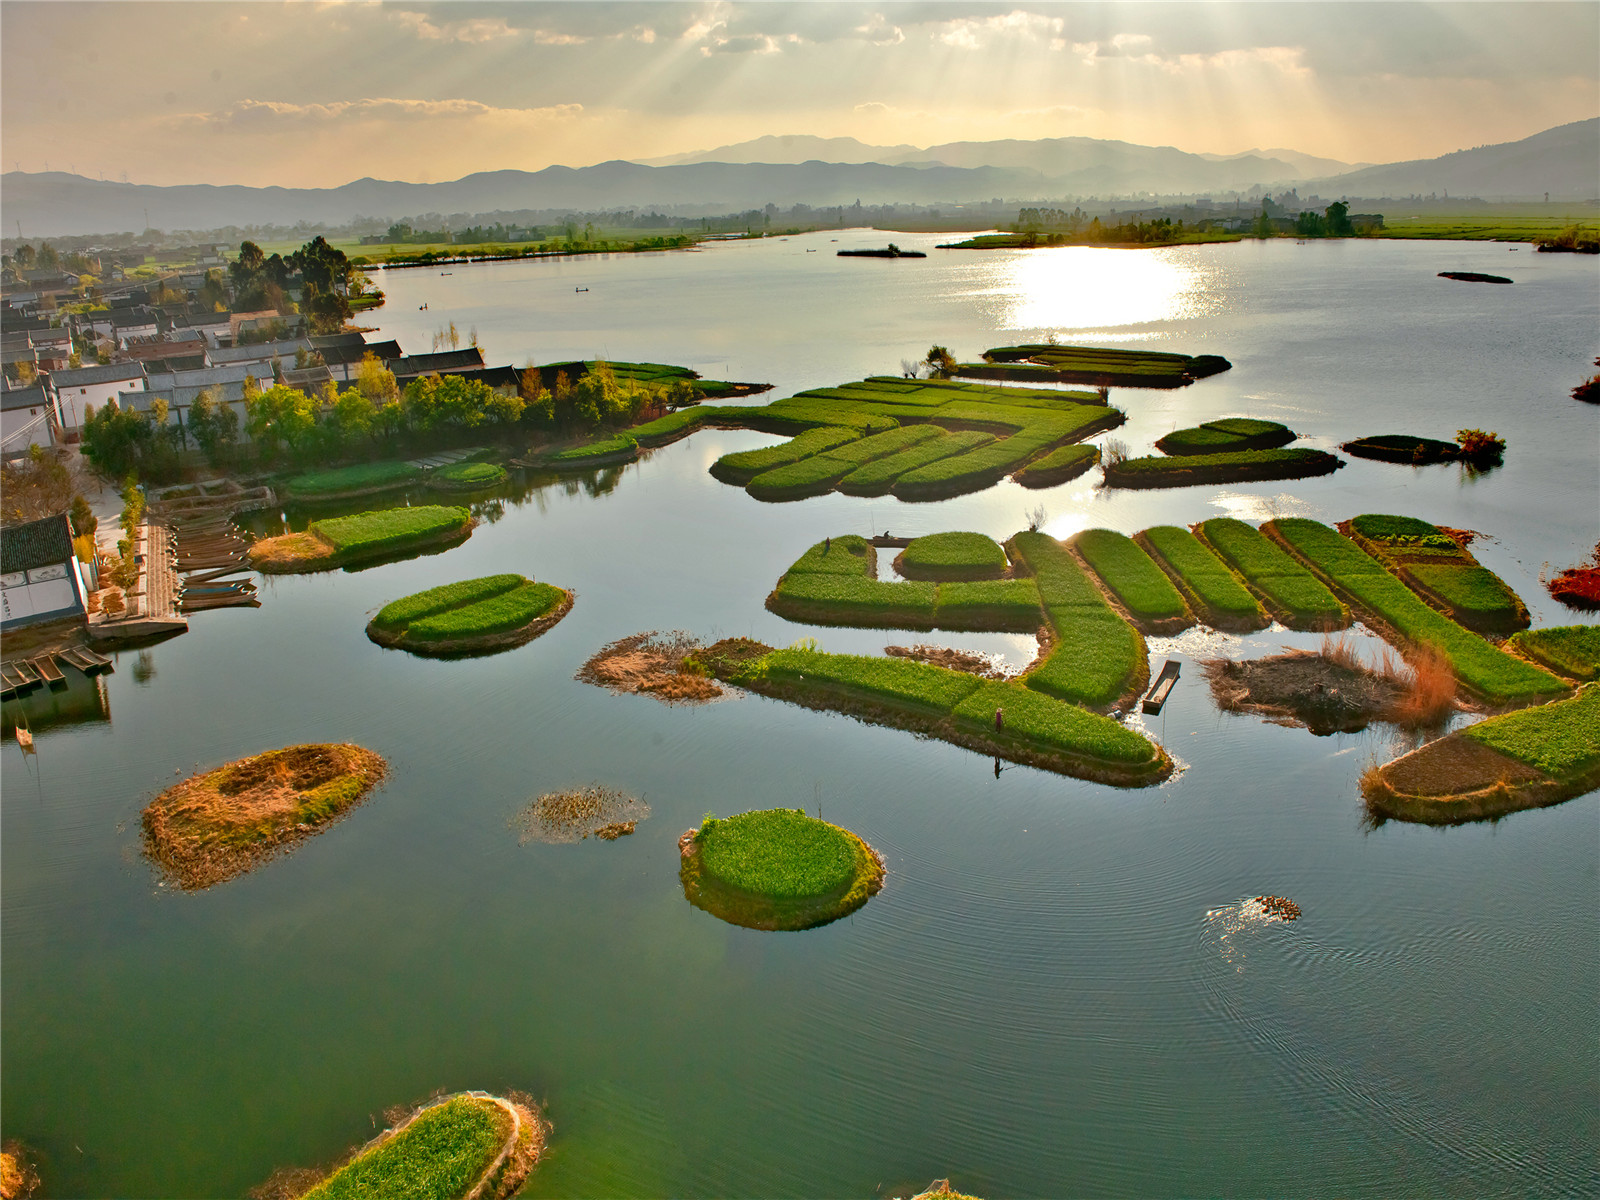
<point>1028,716</point>
<point>1213,587</point>
<point>1384,527</point>
<point>1574,650</point>
<point>498,614</point>
<point>369,532</point>
<point>953,556</point>
<point>846,555</point>
<point>469,474</point>
<point>837,599</point>
<point>402,612</point>
<point>1487,670</point>
<point>877,477</point>
<point>353,479</point>
<point>744,465</point>
<point>882,445</point>
<point>437,1156</point>
<point>988,604</point>
<point>1476,593</point>
<point>1560,739</point>
<point>1132,576</point>
<point>1296,596</point>
<point>1290,463</point>
<point>1060,465</point>
<point>899,681</point>
<point>779,853</point>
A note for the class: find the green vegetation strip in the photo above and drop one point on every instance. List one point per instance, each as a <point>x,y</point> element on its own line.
<point>1191,469</point>
<point>619,448</point>
<point>1561,739</point>
<point>1573,650</point>
<point>878,476</point>
<point>1097,657</point>
<point>833,585</point>
<point>438,1156</point>
<point>949,705</point>
<point>1485,669</point>
<point>390,529</point>
<point>952,556</point>
<point>493,612</point>
<point>1134,579</point>
<point>1442,571</point>
<point>744,465</point>
<point>1060,465</point>
<point>984,605</point>
<point>777,869</point>
<point>1230,433</point>
<point>1215,593</point>
<point>1295,596</point>
<point>364,477</point>
<point>468,475</point>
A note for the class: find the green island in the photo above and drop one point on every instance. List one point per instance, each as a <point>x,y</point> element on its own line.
<point>467,477</point>
<point>1214,593</point>
<point>948,556</point>
<point>224,822</point>
<point>343,541</point>
<point>1227,434</point>
<point>1133,577</point>
<point>362,479</point>
<point>918,439</point>
<point>1186,470</point>
<point>1524,759</point>
<point>1291,593</point>
<point>1440,569</point>
<point>474,616</point>
<point>777,869</point>
<point>468,1145</point>
<point>1101,366</point>
<point>1570,650</point>
<point>1060,465</point>
<point>1390,606</point>
<point>1402,448</point>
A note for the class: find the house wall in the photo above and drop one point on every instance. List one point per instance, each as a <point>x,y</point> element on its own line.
<point>48,593</point>
<point>71,400</point>
<point>24,427</point>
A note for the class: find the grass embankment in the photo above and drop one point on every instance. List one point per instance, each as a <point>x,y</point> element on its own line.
<point>1485,670</point>
<point>359,480</point>
<point>835,584</point>
<point>777,869</point>
<point>1228,434</point>
<point>1570,650</point>
<point>1213,591</point>
<point>1135,580</point>
<point>618,448</point>
<point>1227,467</point>
<point>1097,659</point>
<point>1104,366</point>
<point>1403,448</point>
<point>465,1145</point>
<point>821,472</point>
<point>1441,570</point>
<point>953,706</point>
<point>214,826</point>
<point>467,477</point>
<point>1060,465</point>
<point>943,556</point>
<point>1291,593</point>
<point>341,541</point>
<point>744,465</point>
<point>1525,759</point>
<point>477,615</point>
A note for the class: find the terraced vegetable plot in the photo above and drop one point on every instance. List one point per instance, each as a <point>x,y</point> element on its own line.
<point>1212,590</point>
<point>1134,579</point>
<point>1486,670</point>
<point>1293,595</point>
<point>1443,572</point>
<point>1225,467</point>
<point>942,556</point>
<point>1116,366</point>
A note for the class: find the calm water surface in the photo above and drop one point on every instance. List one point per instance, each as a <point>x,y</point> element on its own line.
<point>1054,993</point>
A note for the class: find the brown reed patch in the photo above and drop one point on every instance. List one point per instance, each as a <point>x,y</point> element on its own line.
<point>651,664</point>
<point>973,663</point>
<point>573,815</point>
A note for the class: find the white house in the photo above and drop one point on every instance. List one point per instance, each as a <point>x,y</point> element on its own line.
<point>78,387</point>
<point>39,577</point>
<point>27,418</point>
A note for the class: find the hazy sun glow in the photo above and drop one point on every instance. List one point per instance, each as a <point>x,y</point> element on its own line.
<point>1090,288</point>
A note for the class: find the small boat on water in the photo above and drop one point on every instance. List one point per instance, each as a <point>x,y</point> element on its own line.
<point>577,289</point>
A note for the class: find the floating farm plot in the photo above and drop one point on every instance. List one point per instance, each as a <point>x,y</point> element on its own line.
<point>475,616</point>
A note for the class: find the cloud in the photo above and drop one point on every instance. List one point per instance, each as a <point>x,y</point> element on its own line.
<point>266,114</point>
<point>473,30</point>
<point>968,33</point>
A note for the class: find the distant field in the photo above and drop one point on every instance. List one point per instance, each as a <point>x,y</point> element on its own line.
<point>1479,222</point>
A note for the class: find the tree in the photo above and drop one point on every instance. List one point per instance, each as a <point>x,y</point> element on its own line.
<point>375,381</point>
<point>354,415</point>
<point>281,416</point>
<point>215,427</point>
<point>941,360</point>
<point>1339,219</point>
<point>33,487</point>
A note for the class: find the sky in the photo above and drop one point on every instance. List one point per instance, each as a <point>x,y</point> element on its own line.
<point>311,94</point>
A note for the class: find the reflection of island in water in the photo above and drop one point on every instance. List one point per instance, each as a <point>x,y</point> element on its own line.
<point>83,700</point>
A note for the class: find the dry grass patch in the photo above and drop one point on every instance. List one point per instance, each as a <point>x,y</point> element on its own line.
<point>220,824</point>
<point>651,663</point>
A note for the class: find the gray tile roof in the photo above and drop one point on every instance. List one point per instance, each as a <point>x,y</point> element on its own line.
<point>109,373</point>
<point>35,544</point>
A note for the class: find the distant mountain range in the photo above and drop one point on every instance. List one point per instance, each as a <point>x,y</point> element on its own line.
<point>1564,161</point>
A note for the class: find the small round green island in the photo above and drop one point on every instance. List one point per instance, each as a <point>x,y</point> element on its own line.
<point>777,868</point>
<point>475,616</point>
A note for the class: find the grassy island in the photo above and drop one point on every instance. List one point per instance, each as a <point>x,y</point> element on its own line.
<point>1403,448</point>
<point>954,706</point>
<point>1058,466</point>
<point>1525,759</point>
<point>1388,605</point>
<point>363,479</point>
<point>1235,466</point>
<point>1230,433</point>
<point>1103,367</point>
<point>1570,650</point>
<point>1440,569</point>
<point>1291,593</point>
<point>468,1145</point>
<point>467,477</point>
<point>1132,576</point>
<point>475,616</point>
<point>215,826</point>
<point>342,541</point>
<point>777,869</point>
<point>947,556</point>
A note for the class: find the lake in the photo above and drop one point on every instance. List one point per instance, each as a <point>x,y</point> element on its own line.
<point>1053,995</point>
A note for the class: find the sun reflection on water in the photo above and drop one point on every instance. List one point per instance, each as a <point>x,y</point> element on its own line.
<point>1079,287</point>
